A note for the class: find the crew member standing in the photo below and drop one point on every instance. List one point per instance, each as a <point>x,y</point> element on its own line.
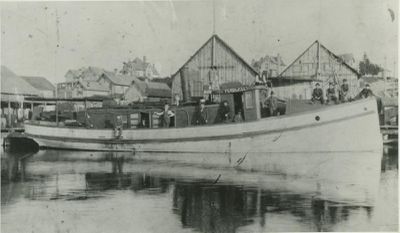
<point>201,117</point>
<point>118,127</point>
<point>165,116</point>
<point>224,112</point>
<point>272,103</point>
<point>344,91</point>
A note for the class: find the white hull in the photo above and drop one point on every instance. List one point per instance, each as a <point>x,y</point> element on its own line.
<point>351,127</point>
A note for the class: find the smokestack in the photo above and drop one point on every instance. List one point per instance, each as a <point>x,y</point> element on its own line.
<point>144,59</point>
<point>185,83</point>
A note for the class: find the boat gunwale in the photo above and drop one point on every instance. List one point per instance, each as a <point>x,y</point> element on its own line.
<point>115,141</point>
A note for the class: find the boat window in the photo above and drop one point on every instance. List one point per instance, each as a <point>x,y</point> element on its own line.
<point>155,123</point>
<point>134,119</point>
<point>144,120</point>
<point>249,98</point>
<point>124,121</point>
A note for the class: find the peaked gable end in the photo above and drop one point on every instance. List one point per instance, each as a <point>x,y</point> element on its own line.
<point>316,63</point>
<point>212,65</point>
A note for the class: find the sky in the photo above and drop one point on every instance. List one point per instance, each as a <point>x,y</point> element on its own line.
<point>49,38</point>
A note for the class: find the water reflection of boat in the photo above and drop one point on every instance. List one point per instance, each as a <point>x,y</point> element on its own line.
<point>207,200</point>
<point>325,129</point>
<point>337,177</point>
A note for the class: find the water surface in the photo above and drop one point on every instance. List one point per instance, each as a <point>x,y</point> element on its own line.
<point>64,191</point>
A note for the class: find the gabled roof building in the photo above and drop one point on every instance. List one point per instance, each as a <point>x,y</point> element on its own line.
<point>140,68</point>
<point>268,66</point>
<point>315,64</point>
<point>213,64</point>
<point>44,86</point>
<point>12,84</point>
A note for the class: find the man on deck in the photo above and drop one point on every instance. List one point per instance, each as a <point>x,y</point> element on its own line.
<point>201,115</point>
<point>331,94</point>
<point>317,94</point>
<point>365,92</point>
<point>224,112</point>
<point>165,116</point>
<point>238,117</point>
<point>272,103</point>
<point>344,91</point>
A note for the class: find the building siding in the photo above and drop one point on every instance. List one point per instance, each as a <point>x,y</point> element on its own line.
<point>316,64</point>
<point>210,72</point>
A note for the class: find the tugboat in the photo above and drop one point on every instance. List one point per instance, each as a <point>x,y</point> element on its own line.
<point>323,128</point>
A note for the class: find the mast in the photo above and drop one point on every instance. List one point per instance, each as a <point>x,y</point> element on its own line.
<point>213,17</point>
<point>318,60</point>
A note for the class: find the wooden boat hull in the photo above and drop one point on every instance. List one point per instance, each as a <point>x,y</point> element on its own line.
<point>341,128</point>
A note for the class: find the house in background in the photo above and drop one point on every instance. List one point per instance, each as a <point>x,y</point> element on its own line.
<point>140,68</point>
<point>46,88</point>
<point>90,73</point>
<point>80,89</point>
<point>315,64</point>
<point>72,75</point>
<point>212,65</point>
<point>349,59</point>
<point>117,84</point>
<point>89,88</point>
<point>268,66</point>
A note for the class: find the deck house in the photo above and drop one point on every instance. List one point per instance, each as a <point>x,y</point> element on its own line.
<point>315,64</point>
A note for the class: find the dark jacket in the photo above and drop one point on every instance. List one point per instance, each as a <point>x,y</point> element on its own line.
<point>344,88</point>
<point>201,116</point>
<point>272,102</point>
<point>365,93</point>
<point>317,93</point>
<point>330,91</point>
<point>224,113</point>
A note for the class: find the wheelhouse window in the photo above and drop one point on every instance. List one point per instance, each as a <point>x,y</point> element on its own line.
<point>249,99</point>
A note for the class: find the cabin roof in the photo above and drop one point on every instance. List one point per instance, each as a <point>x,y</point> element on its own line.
<point>155,89</point>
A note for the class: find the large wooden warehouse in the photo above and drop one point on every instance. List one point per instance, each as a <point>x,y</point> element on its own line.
<point>214,66</point>
<point>315,64</point>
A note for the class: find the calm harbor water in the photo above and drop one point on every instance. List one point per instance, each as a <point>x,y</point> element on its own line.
<point>66,191</point>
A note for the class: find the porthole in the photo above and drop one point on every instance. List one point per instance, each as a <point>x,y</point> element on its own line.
<point>317,118</point>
